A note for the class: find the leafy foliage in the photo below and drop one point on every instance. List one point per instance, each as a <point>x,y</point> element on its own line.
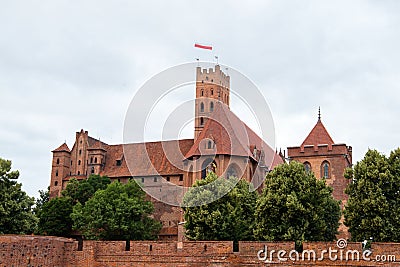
<point>373,208</point>
<point>295,206</point>
<point>54,217</point>
<point>44,197</point>
<point>16,216</point>
<point>119,212</point>
<point>82,191</point>
<point>230,217</point>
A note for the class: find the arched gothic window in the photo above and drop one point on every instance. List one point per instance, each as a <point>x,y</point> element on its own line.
<point>325,171</point>
<point>307,166</point>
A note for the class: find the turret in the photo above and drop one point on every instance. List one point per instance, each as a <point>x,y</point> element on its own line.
<point>212,85</point>
<point>60,169</point>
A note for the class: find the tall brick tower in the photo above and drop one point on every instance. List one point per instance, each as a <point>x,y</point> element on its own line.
<point>211,85</point>
<point>60,168</point>
<point>324,158</point>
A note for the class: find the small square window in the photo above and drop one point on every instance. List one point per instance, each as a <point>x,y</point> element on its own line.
<point>119,162</point>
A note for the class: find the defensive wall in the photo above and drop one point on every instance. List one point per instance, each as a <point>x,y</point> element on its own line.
<point>35,251</point>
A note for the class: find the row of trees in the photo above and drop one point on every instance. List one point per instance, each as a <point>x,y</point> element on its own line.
<point>100,210</point>
<point>293,206</point>
<point>95,208</point>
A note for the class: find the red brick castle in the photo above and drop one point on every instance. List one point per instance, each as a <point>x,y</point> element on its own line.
<point>222,143</point>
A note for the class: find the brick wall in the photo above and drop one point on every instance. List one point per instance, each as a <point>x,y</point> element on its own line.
<point>35,251</point>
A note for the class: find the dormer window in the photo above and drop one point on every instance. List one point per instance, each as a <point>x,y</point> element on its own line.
<point>118,162</point>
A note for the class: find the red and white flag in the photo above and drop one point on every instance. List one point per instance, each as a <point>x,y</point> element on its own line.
<point>209,47</point>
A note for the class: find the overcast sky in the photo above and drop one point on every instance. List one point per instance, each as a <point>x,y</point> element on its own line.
<point>67,65</point>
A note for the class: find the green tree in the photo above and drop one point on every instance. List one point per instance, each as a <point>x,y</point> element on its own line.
<point>16,216</point>
<point>373,207</point>
<point>44,197</point>
<point>119,212</point>
<point>55,217</point>
<point>229,217</point>
<point>82,191</point>
<point>295,206</point>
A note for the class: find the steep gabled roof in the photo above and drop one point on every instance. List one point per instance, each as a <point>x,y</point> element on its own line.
<point>96,145</point>
<point>146,159</point>
<point>231,137</point>
<point>318,136</point>
<point>63,148</point>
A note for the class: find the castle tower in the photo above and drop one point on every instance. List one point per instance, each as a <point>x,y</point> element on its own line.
<point>60,169</point>
<point>212,85</point>
<point>324,158</point>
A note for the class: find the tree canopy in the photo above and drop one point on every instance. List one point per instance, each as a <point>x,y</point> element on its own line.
<point>119,212</point>
<point>373,208</point>
<point>54,217</point>
<point>229,217</point>
<point>295,206</point>
<point>81,191</point>
<point>16,215</point>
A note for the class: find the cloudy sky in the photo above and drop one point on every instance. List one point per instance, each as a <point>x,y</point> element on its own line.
<point>67,65</point>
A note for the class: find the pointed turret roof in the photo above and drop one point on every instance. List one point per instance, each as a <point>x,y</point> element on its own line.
<point>318,135</point>
<point>63,148</point>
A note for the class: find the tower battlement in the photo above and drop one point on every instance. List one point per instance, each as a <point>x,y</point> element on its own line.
<point>215,76</point>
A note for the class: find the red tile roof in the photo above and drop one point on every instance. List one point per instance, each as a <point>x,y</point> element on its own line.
<point>145,159</point>
<point>95,144</point>
<point>318,136</point>
<point>231,137</point>
<point>63,147</point>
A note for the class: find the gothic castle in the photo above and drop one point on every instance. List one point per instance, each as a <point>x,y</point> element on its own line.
<point>222,143</point>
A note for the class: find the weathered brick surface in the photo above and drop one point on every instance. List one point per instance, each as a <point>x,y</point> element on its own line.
<point>55,251</point>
